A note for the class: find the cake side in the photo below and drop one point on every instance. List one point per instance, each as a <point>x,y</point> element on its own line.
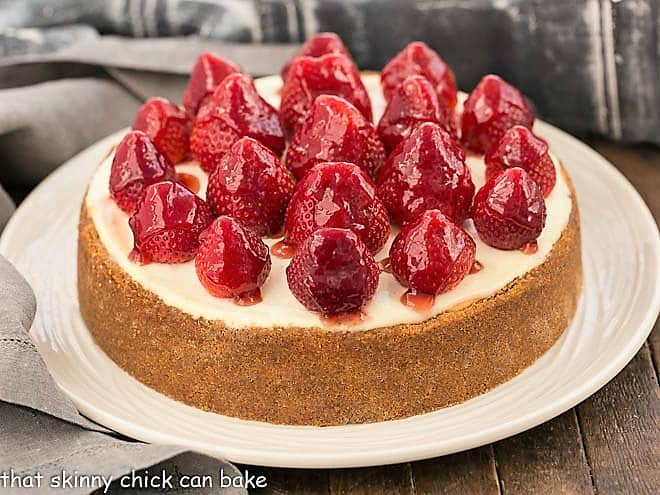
<point>316,376</point>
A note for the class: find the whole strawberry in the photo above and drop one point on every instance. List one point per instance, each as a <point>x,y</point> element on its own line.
<point>413,102</point>
<point>309,77</point>
<point>232,261</point>
<point>168,127</point>
<point>418,59</point>
<point>492,108</point>
<point>251,185</point>
<point>432,254</point>
<point>136,164</point>
<point>337,195</point>
<point>235,110</point>
<point>519,147</point>
<point>167,224</point>
<point>333,272</point>
<point>426,171</point>
<point>318,45</point>
<point>209,71</point>
<point>334,131</point>
<point>509,210</point>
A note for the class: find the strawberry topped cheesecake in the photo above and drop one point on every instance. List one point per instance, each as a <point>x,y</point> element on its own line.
<point>328,247</point>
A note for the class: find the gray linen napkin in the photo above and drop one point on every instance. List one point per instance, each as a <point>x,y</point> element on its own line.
<point>47,115</point>
<point>43,122</point>
<point>42,432</point>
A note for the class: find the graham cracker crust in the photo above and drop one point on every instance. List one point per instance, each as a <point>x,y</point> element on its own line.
<point>315,376</point>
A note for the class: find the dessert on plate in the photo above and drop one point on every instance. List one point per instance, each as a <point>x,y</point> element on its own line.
<point>325,246</point>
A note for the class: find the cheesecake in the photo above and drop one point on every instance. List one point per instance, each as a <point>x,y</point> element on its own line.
<point>426,297</point>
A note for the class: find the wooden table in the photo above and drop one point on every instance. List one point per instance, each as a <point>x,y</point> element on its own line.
<point>609,444</point>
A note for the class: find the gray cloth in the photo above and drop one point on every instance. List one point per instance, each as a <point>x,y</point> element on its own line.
<point>47,115</point>
<point>589,66</point>
<point>41,431</point>
<point>43,125</point>
<point>25,379</point>
<point>51,115</point>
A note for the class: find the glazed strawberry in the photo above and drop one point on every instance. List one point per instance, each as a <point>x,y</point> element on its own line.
<point>235,110</point>
<point>168,127</point>
<point>418,59</point>
<point>492,108</point>
<point>333,272</point>
<point>432,254</point>
<point>337,195</point>
<point>334,131</point>
<point>318,45</point>
<point>413,102</point>
<point>509,210</point>
<point>167,224</point>
<point>426,171</point>
<point>519,147</point>
<point>232,261</point>
<point>208,72</point>
<point>251,185</point>
<point>136,164</point>
<point>309,77</point>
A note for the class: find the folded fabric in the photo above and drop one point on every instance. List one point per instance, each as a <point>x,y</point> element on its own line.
<point>53,113</point>
<point>42,126</point>
<point>42,431</point>
<point>589,67</point>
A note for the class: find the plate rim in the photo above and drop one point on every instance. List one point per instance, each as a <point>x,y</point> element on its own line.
<point>432,448</point>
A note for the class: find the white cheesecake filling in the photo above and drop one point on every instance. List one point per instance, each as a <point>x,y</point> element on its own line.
<point>177,284</point>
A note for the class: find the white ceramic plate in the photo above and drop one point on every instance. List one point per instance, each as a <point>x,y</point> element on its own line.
<point>619,305</point>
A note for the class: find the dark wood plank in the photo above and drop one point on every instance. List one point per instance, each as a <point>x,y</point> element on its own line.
<point>18,194</point>
<point>470,472</point>
<point>654,346</point>
<point>620,426</point>
<point>386,480</point>
<point>294,481</point>
<point>641,166</point>
<point>547,459</point>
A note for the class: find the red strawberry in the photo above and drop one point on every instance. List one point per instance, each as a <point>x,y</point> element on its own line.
<point>232,261</point>
<point>168,127</point>
<point>208,72</point>
<point>337,195</point>
<point>519,147</point>
<point>333,272</point>
<point>426,171</point>
<point>167,224</point>
<point>318,45</point>
<point>509,210</point>
<point>413,102</point>
<point>418,59</point>
<point>309,77</point>
<point>334,131</point>
<point>492,108</point>
<point>251,185</point>
<point>136,164</point>
<point>235,110</point>
<point>432,254</point>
